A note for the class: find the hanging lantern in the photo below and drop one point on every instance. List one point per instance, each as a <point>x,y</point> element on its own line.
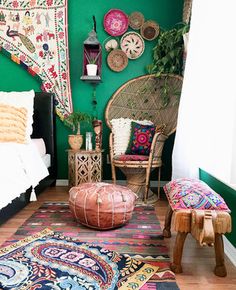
<point>92,57</point>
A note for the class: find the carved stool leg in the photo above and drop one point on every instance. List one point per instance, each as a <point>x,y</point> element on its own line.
<point>168,216</point>
<point>220,269</point>
<point>178,251</point>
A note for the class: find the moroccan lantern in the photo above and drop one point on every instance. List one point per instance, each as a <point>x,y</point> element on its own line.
<point>92,57</point>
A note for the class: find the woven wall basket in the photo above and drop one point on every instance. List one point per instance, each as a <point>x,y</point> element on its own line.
<point>150,30</point>
<point>111,44</point>
<point>136,20</point>
<point>117,60</point>
<point>132,44</point>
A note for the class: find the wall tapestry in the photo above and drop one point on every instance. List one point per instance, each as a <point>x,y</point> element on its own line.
<point>33,33</point>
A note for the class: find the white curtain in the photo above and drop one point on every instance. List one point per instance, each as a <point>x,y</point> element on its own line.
<point>206,129</point>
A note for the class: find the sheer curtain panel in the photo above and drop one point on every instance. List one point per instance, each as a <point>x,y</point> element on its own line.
<point>206,129</point>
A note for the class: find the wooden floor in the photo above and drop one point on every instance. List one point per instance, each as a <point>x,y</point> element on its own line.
<point>198,263</point>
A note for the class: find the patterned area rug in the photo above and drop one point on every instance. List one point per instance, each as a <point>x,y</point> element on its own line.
<point>51,261</point>
<point>141,238</point>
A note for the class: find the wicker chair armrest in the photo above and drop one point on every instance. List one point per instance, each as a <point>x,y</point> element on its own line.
<point>157,146</point>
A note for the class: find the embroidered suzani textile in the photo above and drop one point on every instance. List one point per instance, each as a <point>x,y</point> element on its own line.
<point>33,33</point>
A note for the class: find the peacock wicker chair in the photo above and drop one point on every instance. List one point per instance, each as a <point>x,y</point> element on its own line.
<point>145,98</point>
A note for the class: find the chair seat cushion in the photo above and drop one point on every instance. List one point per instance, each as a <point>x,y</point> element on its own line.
<point>127,157</point>
<point>101,205</point>
<point>188,193</point>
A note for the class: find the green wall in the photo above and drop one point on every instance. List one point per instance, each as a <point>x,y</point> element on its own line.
<point>229,195</point>
<point>80,12</point>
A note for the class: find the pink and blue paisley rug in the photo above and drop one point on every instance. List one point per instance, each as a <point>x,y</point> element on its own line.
<point>140,240</point>
<point>52,261</point>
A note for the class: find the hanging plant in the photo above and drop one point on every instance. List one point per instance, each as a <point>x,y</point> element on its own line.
<point>168,52</point>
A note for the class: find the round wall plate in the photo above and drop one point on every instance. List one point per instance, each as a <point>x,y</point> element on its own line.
<point>136,20</point>
<point>117,60</point>
<point>132,44</point>
<point>115,22</point>
<point>150,30</point>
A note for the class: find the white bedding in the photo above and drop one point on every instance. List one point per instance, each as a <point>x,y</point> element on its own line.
<point>20,168</point>
<point>46,160</point>
<point>40,145</point>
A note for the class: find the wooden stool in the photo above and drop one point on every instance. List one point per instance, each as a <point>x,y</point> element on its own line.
<point>206,226</point>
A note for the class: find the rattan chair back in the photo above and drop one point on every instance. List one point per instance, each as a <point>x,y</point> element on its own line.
<point>147,98</point>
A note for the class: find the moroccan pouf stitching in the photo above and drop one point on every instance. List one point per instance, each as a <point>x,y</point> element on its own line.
<point>101,205</point>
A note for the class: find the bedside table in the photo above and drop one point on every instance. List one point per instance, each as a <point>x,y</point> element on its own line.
<point>84,166</point>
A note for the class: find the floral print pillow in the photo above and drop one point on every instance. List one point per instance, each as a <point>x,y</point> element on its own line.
<point>140,139</point>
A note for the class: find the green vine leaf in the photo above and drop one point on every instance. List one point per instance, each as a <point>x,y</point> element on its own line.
<point>168,52</point>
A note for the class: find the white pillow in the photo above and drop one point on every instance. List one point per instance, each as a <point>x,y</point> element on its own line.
<point>121,129</point>
<point>22,100</point>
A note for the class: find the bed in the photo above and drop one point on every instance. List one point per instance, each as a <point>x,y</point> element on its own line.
<point>43,128</point>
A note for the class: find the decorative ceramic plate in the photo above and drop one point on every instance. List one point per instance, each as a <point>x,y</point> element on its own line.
<point>111,44</point>
<point>117,60</point>
<point>136,20</point>
<point>115,22</point>
<point>150,30</point>
<point>132,44</point>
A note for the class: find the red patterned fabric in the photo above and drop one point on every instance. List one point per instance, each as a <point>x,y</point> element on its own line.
<point>140,139</point>
<point>127,157</point>
<point>102,205</point>
<point>34,35</point>
<point>189,193</point>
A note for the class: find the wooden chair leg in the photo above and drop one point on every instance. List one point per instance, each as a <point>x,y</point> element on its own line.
<point>147,184</point>
<point>220,269</point>
<point>167,226</point>
<point>177,253</point>
<point>159,183</point>
<point>113,172</point>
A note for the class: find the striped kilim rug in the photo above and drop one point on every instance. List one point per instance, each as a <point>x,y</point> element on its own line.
<point>141,238</point>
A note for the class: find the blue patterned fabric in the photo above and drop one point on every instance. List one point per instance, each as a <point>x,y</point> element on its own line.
<point>53,261</point>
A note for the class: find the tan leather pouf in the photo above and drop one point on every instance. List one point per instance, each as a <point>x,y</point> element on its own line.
<point>101,205</point>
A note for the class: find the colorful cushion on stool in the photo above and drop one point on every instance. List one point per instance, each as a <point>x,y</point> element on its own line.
<point>188,193</point>
<point>101,205</point>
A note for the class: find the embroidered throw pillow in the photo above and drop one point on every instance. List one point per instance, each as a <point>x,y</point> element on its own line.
<point>189,193</point>
<point>16,116</point>
<point>140,139</point>
<point>121,129</point>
